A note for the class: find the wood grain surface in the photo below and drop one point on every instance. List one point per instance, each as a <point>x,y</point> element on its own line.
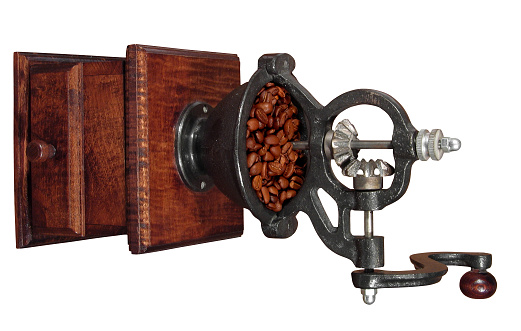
<point>74,103</point>
<point>163,213</point>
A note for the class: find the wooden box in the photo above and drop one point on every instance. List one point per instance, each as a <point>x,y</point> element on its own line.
<point>92,159</point>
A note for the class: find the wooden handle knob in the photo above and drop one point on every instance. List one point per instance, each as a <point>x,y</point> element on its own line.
<point>478,285</point>
<point>40,151</point>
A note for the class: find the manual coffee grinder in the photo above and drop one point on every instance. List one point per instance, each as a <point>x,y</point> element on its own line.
<point>211,149</point>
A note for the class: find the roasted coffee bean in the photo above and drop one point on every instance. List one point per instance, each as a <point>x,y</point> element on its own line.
<point>273,90</point>
<point>264,171</point>
<point>293,156</point>
<point>267,107</point>
<point>257,183</point>
<point>259,136</point>
<point>288,147</point>
<point>275,168</point>
<point>279,135</point>
<point>277,207</point>
<point>294,185</point>
<point>252,158</point>
<point>270,122</point>
<point>262,151</point>
<point>256,169</point>
<point>265,194</point>
<point>268,157</point>
<point>277,185</point>
<point>271,140</point>
<point>275,150</point>
<point>299,171</point>
<point>283,196</point>
<point>250,143</point>
<point>287,128</point>
<point>297,179</point>
<point>281,92</point>
<point>290,168</point>
<point>253,124</point>
<point>283,182</point>
<point>261,116</point>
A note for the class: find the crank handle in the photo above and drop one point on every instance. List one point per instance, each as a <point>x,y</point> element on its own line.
<point>430,268</point>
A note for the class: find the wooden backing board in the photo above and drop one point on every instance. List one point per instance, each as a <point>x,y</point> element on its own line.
<point>163,213</point>
<point>75,103</point>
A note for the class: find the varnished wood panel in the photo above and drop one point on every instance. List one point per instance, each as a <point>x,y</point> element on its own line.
<point>104,132</point>
<point>56,117</point>
<point>162,212</point>
<point>53,93</point>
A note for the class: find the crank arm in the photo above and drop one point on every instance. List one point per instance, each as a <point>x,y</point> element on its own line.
<point>430,268</point>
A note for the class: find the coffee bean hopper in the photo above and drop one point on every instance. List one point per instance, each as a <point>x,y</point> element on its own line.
<point>210,150</point>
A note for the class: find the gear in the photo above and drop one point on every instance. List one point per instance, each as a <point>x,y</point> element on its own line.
<point>344,133</point>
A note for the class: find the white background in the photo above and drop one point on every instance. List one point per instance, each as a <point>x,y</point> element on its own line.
<point>453,65</point>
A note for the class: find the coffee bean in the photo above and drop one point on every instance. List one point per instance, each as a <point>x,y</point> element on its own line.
<point>283,182</point>
<point>256,169</point>
<point>252,158</point>
<point>259,136</point>
<point>273,90</point>
<point>287,148</point>
<point>281,92</point>
<point>253,124</point>
<point>257,183</point>
<point>299,171</point>
<point>287,127</point>
<point>297,179</point>
<point>271,140</point>
<point>283,196</point>
<point>265,194</point>
<point>275,168</point>
<point>250,143</point>
<point>264,171</point>
<point>268,157</point>
<point>261,116</point>
<point>275,150</point>
<point>267,107</point>
<point>290,168</point>
<point>262,151</point>
<point>293,156</point>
